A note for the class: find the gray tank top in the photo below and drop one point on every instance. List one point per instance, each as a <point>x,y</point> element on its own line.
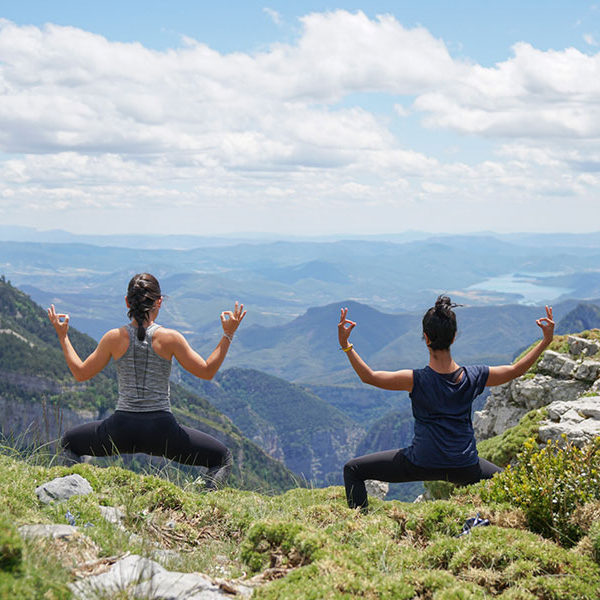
<point>143,375</point>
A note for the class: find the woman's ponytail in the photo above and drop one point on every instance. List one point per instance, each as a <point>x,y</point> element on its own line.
<point>142,293</point>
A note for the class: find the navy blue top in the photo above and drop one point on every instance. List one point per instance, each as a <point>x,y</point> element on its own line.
<point>442,409</point>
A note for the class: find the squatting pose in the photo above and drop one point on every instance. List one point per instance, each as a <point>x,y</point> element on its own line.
<point>143,351</point>
<point>442,393</point>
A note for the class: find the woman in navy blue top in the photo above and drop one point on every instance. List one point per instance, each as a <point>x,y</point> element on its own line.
<point>442,394</point>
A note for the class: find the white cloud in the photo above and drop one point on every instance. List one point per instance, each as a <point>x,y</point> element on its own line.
<point>93,125</point>
<point>590,39</point>
<point>273,14</point>
<point>534,94</point>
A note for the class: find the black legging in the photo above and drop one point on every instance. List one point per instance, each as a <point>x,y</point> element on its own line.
<point>156,433</point>
<point>393,466</point>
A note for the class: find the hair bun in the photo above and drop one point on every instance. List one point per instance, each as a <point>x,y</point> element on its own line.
<point>443,303</point>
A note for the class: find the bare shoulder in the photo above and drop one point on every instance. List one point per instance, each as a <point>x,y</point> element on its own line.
<point>115,335</point>
<point>166,335</point>
<point>167,342</point>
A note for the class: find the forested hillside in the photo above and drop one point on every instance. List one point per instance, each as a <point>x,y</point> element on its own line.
<point>310,436</point>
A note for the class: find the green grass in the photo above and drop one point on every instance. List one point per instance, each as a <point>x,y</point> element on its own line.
<point>308,538</point>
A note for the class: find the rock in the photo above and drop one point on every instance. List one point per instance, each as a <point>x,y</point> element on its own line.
<point>579,345</point>
<point>125,573</point>
<point>424,497</point>
<point>588,370</point>
<point>112,514</point>
<point>378,489</point>
<point>509,402</point>
<point>138,577</point>
<point>63,488</point>
<point>173,586</point>
<point>557,365</point>
<point>48,531</point>
<point>578,421</point>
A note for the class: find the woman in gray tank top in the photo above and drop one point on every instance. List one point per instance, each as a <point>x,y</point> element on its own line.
<point>143,351</point>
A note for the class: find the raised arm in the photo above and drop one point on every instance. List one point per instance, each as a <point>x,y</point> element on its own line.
<point>505,373</point>
<point>387,380</point>
<point>191,361</point>
<point>82,370</point>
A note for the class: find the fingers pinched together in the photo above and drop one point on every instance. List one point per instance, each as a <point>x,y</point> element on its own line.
<point>546,324</point>
<point>59,321</point>
<point>231,319</point>
<point>345,327</point>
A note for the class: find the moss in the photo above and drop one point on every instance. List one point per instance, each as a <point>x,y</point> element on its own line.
<point>309,538</point>
<point>272,544</point>
<point>11,546</point>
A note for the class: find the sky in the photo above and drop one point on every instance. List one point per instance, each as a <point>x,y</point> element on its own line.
<point>303,118</point>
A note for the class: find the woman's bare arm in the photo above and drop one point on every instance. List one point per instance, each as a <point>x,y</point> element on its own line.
<point>83,370</point>
<point>505,373</point>
<point>387,380</point>
<point>191,361</point>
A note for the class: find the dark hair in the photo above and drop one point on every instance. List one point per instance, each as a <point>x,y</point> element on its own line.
<point>439,323</point>
<point>142,293</point>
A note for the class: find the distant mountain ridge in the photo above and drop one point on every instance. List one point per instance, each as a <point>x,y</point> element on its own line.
<point>278,280</point>
<point>583,316</point>
<point>305,350</point>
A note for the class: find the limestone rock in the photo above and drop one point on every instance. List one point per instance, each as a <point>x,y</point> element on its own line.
<point>378,489</point>
<point>137,577</point>
<point>578,421</point>
<point>509,402</point>
<point>587,370</point>
<point>62,488</point>
<point>129,571</point>
<point>112,514</point>
<point>579,345</point>
<point>173,586</point>
<point>556,364</point>
<point>48,531</point>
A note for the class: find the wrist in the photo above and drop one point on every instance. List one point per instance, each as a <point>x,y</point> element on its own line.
<point>228,336</point>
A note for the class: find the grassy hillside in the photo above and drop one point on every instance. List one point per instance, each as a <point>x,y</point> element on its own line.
<point>33,373</point>
<point>302,544</point>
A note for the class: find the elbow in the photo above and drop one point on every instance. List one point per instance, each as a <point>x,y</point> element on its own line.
<point>80,377</point>
<point>206,374</point>
<point>367,378</point>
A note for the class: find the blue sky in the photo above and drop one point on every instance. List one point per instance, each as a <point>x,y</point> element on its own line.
<point>300,118</point>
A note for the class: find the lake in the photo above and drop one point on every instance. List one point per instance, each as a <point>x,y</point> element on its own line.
<point>523,284</point>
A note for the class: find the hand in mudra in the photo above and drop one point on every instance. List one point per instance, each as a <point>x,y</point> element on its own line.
<point>345,327</point>
<point>546,324</point>
<point>59,321</point>
<point>231,319</point>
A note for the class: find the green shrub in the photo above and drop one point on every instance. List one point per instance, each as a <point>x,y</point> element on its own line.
<point>548,485</point>
<point>11,545</point>
<point>595,539</point>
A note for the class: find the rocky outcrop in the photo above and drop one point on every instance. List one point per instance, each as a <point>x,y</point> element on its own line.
<point>577,421</point>
<point>567,383</point>
<point>127,575</point>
